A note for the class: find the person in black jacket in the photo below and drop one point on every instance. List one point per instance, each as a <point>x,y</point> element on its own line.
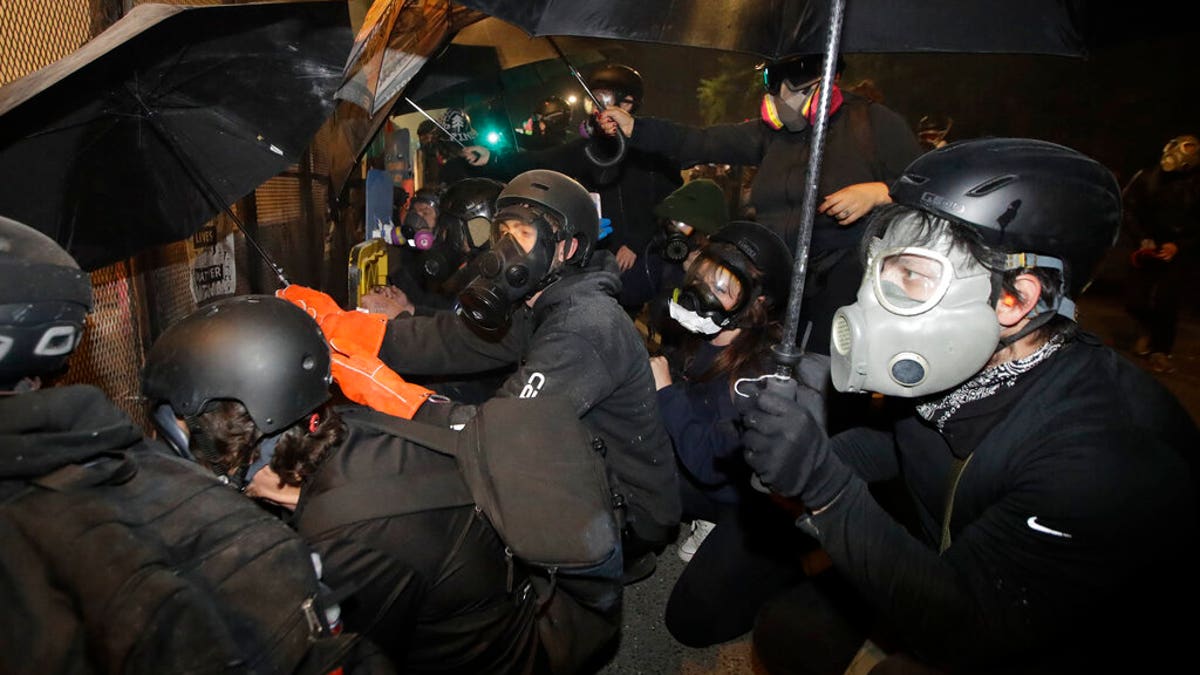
<point>1052,514</point>
<point>867,147</point>
<point>628,191</point>
<point>102,526</point>
<point>432,587</point>
<point>543,303</point>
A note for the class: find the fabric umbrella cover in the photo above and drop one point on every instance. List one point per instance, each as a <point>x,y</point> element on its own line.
<point>397,37</point>
<point>147,131</point>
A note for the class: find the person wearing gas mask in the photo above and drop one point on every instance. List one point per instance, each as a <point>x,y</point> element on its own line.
<point>431,278</point>
<point>549,126</point>
<point>687,217</point>
<point>1162,214</point>
<point>543,303</point>
<point>278,437</point>
<point>628,190</point>
<point>867,146</point>
<point>741,549</point>
<point>1050,506</point>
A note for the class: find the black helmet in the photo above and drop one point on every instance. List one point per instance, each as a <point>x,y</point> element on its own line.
<point>556,113</point>
<point>566,199</point>
<point>798,69</point>
<point>465,216</point>
<point>623,81</point>
<point>44,299</point>
<point>765,249</point>
<point>1022,196</point>
<point>259,350</point>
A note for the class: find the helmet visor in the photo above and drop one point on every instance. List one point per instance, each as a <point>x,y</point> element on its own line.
<point>910,281</point>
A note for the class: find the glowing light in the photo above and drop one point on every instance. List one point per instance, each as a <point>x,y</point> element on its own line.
<point>571,99</point>
<point>493,137</point>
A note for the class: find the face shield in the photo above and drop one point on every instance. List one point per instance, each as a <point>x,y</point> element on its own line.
<point>922,322</point>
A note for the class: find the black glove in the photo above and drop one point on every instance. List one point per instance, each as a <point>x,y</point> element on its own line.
<point>786,443</point>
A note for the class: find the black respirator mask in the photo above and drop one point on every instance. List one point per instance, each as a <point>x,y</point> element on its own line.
<point>507,274</point>
<point>696,307</point>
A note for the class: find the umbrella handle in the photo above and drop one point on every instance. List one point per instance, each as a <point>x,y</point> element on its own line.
<point>590,151</point>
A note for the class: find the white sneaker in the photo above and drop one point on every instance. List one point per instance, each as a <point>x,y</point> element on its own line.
<point>689,546</point>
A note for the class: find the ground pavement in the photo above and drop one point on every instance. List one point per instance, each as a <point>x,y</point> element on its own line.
<point>647,647</point>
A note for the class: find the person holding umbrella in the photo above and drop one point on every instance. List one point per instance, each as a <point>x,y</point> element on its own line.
<point>1050,511</point>
<point>867,147</point>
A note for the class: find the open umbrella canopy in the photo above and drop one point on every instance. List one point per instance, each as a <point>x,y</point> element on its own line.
<point>146,132</point>
<point>777,28</point>
<point>395,40</point>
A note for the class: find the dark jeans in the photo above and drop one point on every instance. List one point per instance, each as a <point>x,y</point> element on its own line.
<point>751,556</point>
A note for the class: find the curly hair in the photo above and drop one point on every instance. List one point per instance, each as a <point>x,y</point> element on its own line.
<point>299,451</point>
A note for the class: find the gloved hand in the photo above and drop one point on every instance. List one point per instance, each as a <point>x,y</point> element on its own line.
<point>355,333</point>
<point>786,443</point>
<point>317,304</point>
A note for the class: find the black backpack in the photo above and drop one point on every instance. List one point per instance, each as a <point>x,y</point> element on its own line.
<point>141,562</point>
<point>538,475</point>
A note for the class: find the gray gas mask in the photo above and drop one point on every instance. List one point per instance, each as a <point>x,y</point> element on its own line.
<point>922,323</point>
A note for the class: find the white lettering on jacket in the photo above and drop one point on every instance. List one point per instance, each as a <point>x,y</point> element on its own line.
<point>533,386</point>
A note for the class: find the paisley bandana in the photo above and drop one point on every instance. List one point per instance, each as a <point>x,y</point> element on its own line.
<point>986,383</point>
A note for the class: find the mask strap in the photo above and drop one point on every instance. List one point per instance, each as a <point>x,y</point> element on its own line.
<point>1043,312</point>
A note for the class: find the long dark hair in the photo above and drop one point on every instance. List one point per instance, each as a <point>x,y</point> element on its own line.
<point>298,452</point>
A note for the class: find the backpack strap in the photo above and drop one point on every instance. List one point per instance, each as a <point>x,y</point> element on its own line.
<point>392,494</point>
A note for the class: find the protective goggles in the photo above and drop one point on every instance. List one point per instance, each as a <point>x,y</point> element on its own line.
<point>911,280</point>
<point>706,282</point>
<point>799,74</point>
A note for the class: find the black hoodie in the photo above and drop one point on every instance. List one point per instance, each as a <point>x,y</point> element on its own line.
<point>575,341</point>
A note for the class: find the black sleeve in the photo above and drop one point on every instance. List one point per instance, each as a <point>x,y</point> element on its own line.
<point>442,344</point>
<point>895,142</point>
<point>684,146</point>
<point>870,453</point>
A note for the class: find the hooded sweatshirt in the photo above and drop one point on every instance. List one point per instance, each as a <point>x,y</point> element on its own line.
<point>576,342</point>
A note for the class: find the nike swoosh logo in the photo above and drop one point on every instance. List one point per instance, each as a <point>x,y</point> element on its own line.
<point>1038,527</point>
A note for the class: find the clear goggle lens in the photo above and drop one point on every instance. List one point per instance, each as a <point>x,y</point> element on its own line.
<point>911,280</point>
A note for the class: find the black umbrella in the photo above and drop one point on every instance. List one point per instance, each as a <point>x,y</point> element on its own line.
<point>775,28</point>
<point>778,28</point>
<point>170,115</point>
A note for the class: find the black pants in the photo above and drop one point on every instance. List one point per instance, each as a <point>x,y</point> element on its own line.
<point>832,282</point>
<point>1154,294</point>
<point>751,556</point>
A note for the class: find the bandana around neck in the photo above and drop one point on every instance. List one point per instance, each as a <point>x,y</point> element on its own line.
<point>986,383</point>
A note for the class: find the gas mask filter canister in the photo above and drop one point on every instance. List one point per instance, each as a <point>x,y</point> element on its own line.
<point>922,322</point>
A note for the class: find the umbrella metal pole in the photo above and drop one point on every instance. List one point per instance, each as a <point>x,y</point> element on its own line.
<point>211,194</point>
<point>787,353</point>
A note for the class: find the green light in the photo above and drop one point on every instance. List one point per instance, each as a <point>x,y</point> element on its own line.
<point>493,138</point>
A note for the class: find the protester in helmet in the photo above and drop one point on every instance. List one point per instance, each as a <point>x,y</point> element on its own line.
<point>686,218</point>
<point>867,147</point>
<point>1162,214</point>
<point>549,126</point>
<point>544,304</point>
<point>1047,479</point>
<point>741,550</point>
<point>258,413</point>
<point>70,444</point>
<point>932,131</point>
<point>628,191</point>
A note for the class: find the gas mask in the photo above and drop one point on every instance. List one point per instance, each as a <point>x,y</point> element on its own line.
<point>416,231</point>
<point>1180,154</point>
<point>677,242</point>
<point>507,274</point>
<point>794,107</point>
<point>697,305</point>
<point>923,322</point>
